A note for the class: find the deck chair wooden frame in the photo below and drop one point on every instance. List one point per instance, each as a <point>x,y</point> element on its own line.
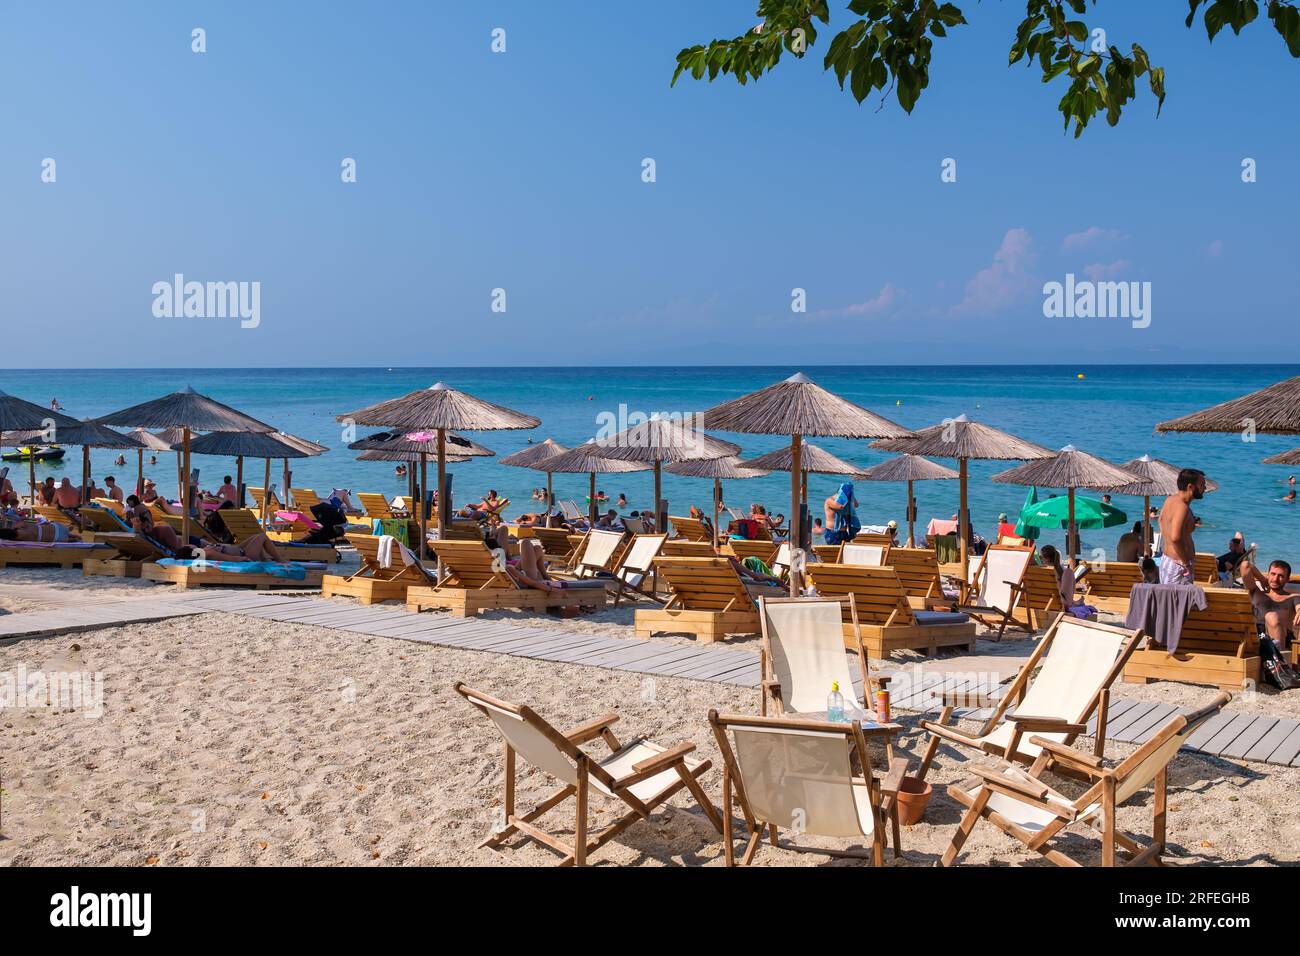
<point>1049,711</point>
<point>635,570</point>
<point>1040,597</point>
<point>872,555</point>
<point>375,505</point>
<point>600,551</point>
<point>692,529</point>
<point>372,582</point>
<point>257,494</point>
<point>887,620</point>
<point>810,661</point>
<point>846,788</point>
<point>1205,567</point>
<point>133,551</point>
<point>995,591</point>
<point>1218,646</point>
<point>472,578</point>
<point>1023,807</point>
<point>707,598</point>
<point>641,785</point>
<point>555,545</point>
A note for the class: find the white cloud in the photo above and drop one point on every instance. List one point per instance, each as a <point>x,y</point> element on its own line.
<point>1093,235</point>
<point>886,299</point>
<point>1106,270</point>
<point>1006,280</point>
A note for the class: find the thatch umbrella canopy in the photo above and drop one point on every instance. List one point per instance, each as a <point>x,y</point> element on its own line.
<point>1271,411</point>
<point>440,409</point>
<point>536,458</point>
<point>411,460</point>
<point>658,440</point>
<point>90,434</point>
<point>241,445</point>
<point>729,468</point>
<point>964,440</point>
<point>1291,457</point>
<point>312,449</point>
<point>584,459</point>
<point>457,445</point>
<point>1070,469</point>
<point>190,412</point>
<point>799,407</point>
<point>909,468</point>
<point>812,459</point>
<point>151,442</point>
<point>1158,478</point>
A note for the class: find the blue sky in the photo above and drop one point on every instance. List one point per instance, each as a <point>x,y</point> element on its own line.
<point>522,171</point>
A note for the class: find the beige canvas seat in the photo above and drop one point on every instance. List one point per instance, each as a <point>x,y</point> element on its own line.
<point>868,555</point>
<point>641,774</point>
<point>798,775</point>
<point>996,587</point>
<point>598,553</point>
<point>372,581</point>
<point>1022,806</point>
<point>634,574</point>
<point>1065,681</point>
<point>803,654</point>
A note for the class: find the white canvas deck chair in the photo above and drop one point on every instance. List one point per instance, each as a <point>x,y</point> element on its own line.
<point>598,553</point>
<point>641,774</point>
<point>803,653</point>
<point>871,555</point>
<point>798,775</point>
<point>1024,807</point>
<point>1079,662</point>
<point>996,586</point>
<point>636,568</point>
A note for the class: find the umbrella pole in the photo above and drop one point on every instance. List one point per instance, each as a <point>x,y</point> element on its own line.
<point>961,519</point>
<point>412,483</point>
<point>288,477</point>
<point>266,492</point>
<point>31,477</point>
<point>185,487</point>
<point>442,486</point>
<point>1146,525</point>
<point>85,474</point>
<point>658,509</point>
<point>717,509</point>
<point>591,503</point>
<point>180,483</point>
<point>424,493</point>
<point>139,472</point>
<point>239,479</point>
<point>911,533</point>
<point>1071,542</point>
<point>550,497</point>
<point>796,471</point>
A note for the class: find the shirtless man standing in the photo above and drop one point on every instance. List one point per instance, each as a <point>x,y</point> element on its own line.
<point>1176,525</point>
<point>1274,605</point>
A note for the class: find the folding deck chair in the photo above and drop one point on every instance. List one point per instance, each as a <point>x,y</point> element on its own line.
<point>996,587</point>
<point>636,568</point>
<point>803,653</point>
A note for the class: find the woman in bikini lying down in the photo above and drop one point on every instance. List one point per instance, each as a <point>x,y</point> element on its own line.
<point>256,548</point>
<point>48,532</point>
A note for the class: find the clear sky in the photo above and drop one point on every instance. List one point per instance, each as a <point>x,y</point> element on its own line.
<point>523,171</point>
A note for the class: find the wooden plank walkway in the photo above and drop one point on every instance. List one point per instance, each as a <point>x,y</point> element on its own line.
<point>1251,737</point>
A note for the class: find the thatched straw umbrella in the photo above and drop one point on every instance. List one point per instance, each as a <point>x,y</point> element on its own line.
<point>536,457</point>
<point>88,435</point>
<point>1070,469</point>
<point>585,460</point>
<point>964,440</point>
<point>909,468</point>
<point>175,438</point>
<point>812,460</point>
<point>19,415</point>
<point>1291,457</point>
<point>1270,411</point>
<point>312,448</point>
<point>1158,478</point>
<point>410,459</point>
<point>190,412</point>
<point>241,445</point>
<point>729,468</point>
<point>420,445</point>
<point>440,409</point>
<point>797,407</point>
<point>148,442</point>
<point>658,440</point>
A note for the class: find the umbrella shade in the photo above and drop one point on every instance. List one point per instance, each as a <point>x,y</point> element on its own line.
<point>16,414</point>
<point>376,454</point>
<point>1291,457</point>
<point>185,409</point>
<point>441,406</point>
<point>246,445</point>
<point>1028,532</point>
<point>1055,513</point>
<point>799,406</point>
<point>1158,478</point>
<point>535,456</point>
<point>93,435</point>
<point>727,468</point>
<point>151,442</point>
<point>585,460</point>
<point>662,440</point>
<point>1272,411</point>
<point>1069,468</point>
<point>962,438</point>
<point>173,436</point>
<point>418,442</point>
<point>811,458</point>
<point>908,468</point>
<point>303,444</point>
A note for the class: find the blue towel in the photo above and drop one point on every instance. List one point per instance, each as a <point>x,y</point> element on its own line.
<point>295,571</point>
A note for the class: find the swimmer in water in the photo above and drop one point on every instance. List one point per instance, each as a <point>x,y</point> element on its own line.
<point>1289,496</point>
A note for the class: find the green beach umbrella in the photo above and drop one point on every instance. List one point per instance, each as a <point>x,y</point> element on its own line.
<point>1055,513</point>
<point>1028,531</point>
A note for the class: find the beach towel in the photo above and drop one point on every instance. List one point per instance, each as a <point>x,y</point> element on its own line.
<point>1160,609</point>
<point>294,571</point>
<point>297,517</point>
<point>846,524</point>
<point>384,552</point>
<point>393,527</point>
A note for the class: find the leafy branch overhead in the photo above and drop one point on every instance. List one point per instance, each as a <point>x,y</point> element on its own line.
<point>890,46</point>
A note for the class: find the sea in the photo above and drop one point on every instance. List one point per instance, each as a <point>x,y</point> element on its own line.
<point>1108,410</point>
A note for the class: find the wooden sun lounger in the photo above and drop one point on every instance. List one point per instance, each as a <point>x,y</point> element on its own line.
<point>765,551</point>
<point>372,582</point>
<point>1206,568</point>
<point>304,499</point>
<point>555,545</point>
<point>1040,597</point>
<point>470,580</point>
<point>133,551</point>
<point>99,520</point>
<point>692,529</point>
<point>272,506</point>
<point>51,513</point>
<point>1218,646</point>
<point>685,548</point>
<point>110,504</point>
<point>243,524</point>
<point>888,622</point>
<point>918,573</point>
<point>192,577</point>
<point>707,599</point>
<point>375,505</point>
<point>1107,586</point>
<point>51,554</point>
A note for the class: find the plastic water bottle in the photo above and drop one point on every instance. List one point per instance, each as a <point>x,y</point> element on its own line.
<point>835,704</point>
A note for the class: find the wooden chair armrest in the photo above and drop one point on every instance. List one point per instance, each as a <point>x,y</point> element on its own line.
<point>1028,723</point>
<point>894,779</point>
<point>590,730</point>
<point>959,698</point>
<point>1087,763</point>
<point>652,765</point>
<point>995,779</point>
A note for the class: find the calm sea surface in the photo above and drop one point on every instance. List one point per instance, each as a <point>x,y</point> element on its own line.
<point>1110,412</point>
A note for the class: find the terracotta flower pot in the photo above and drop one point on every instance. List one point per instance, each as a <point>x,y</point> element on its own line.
<point>913,797</point>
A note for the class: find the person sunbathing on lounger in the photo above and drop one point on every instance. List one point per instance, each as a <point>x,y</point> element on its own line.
<point>48,532</point>
<point>258,547</point>
<point>1275,607</point>
<point>141,519</point>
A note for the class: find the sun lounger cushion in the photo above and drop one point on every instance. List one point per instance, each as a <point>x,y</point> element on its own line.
<point>295,571</point>
<point>940,617</point>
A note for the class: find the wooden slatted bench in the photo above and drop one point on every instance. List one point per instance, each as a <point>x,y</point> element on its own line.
<point>1218,646</point>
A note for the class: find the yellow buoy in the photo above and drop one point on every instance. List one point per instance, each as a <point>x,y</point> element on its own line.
<point>1080,375</point>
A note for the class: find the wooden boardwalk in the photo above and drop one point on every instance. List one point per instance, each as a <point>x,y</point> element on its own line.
<point>1252,737</point>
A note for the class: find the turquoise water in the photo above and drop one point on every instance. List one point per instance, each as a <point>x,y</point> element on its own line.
<point>1110,412</point>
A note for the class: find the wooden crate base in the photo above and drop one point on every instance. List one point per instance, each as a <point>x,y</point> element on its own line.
<point>1225,673</point>
<point>325,553</point>
<point>111,568</point>
<point>708,626</point>
<point>61,558</point>
<point>364,589</point>
<point>189,577</point>
<point>462,602</point>
<point>883,641</point>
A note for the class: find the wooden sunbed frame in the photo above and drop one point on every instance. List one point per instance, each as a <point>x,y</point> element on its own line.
<point>1040,597</point>
<point>685,548</point>
<point>765,551</point>
<point>918,573</point>
<point>692,529</point>
<point>243,524</point>
<point>133,552</point>
<point>887,620</point>
<point>304,499</point>
<point>371,582</point>
<point>707,598</point>
<point>1218,646</point>
<point>375,505</point>
<point>51,556</point>
<point>470,581</point>
<point>1107,586</point>
<point>190,577</point>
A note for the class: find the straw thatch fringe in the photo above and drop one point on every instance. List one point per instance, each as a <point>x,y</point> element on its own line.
<point>398,442</point>
<point>1291,457</point>
<point>185,409</point>
<point>246,444</point>
<point>1271,411</point>
<point>584,459</point>
<point>17,414</point>
<point>535,456</point>
<point>662,439</point>
<point>92,435</point>
<point>1070,468</point>
<point>811,458</point>
<point>441,406</point>
<point>1158,478</point>
<point>797,406</point>
<point>727,469</point>
<point>962,438</point>
<point>377,455</point>
<point>908,468</point>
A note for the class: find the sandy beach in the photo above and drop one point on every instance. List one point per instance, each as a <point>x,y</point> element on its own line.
<point>231,740</point>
